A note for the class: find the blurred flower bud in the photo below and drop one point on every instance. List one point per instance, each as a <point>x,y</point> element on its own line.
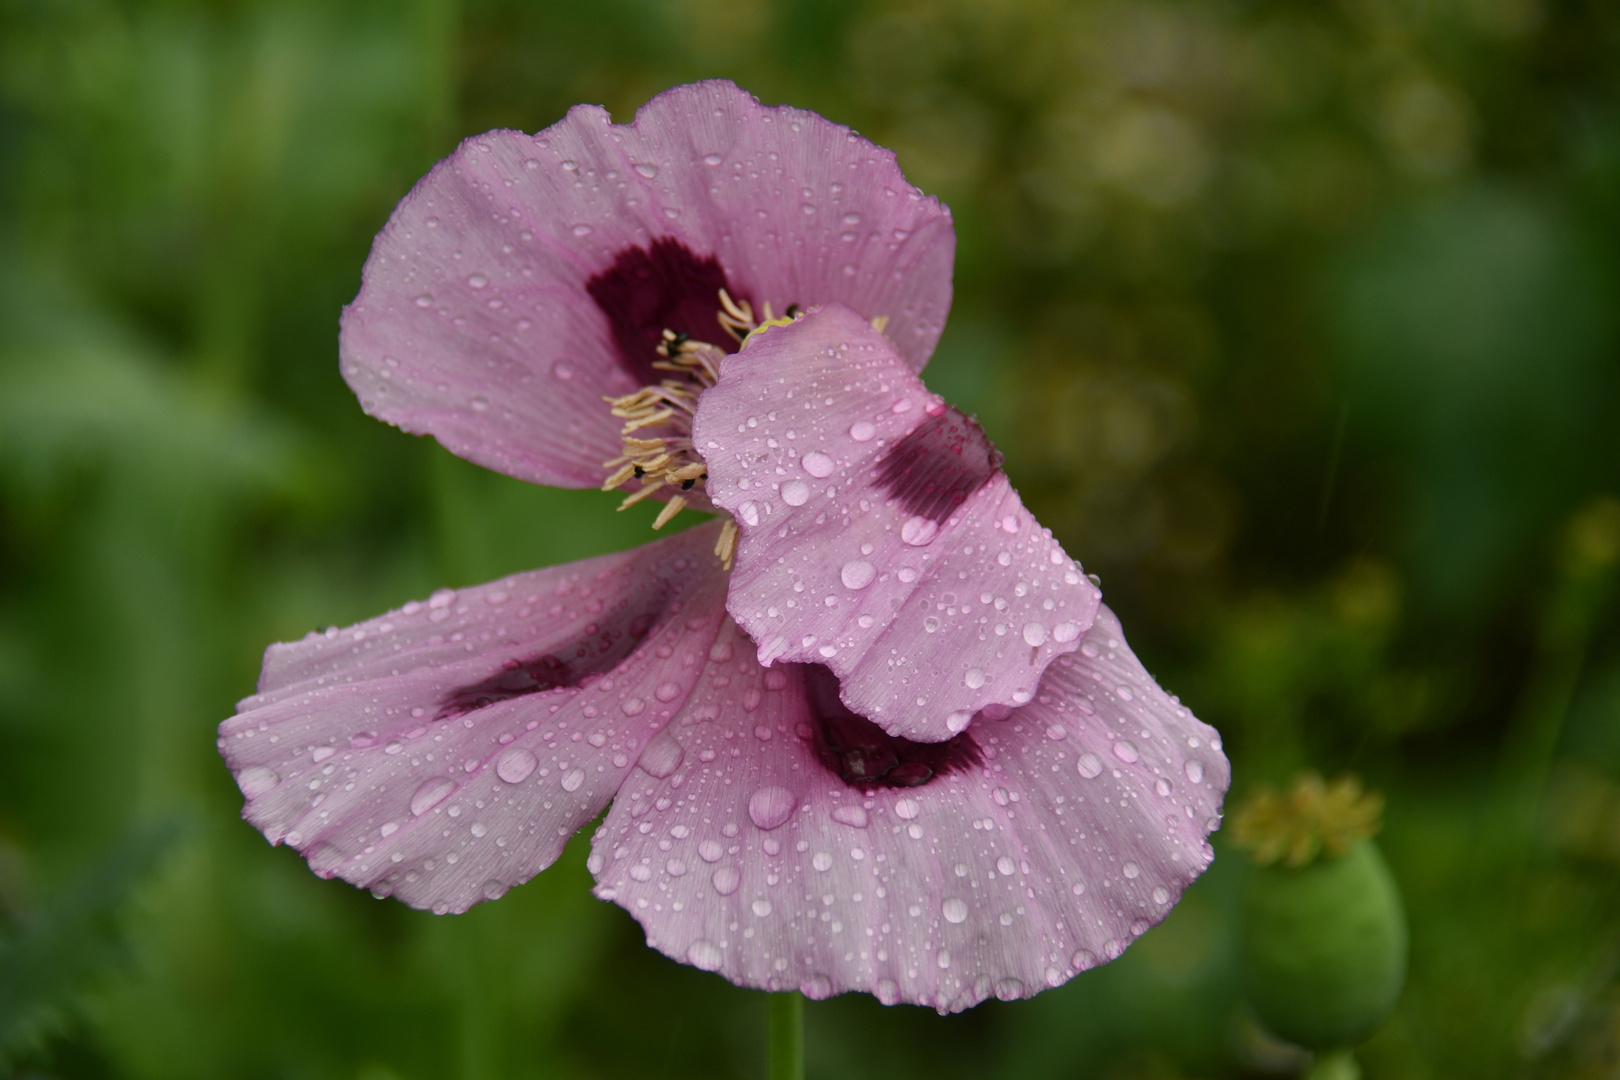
<point>1324,934</point>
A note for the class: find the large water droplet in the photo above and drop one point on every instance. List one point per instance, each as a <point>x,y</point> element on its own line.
<point>748,513</point>
<point>1034,634</point>
<point>1090,766</point>
<point>974,678</point>
<point>1009,989</point>
<point>515,765</point>
<point>1006,866</point>
<point>477,281</point>
<point>822,861</point>
<point>647,170</point>
<point>817,464</point>
<point>761,908</point>
<point>726,879</point>
<point>573,778</point>
<point>862,431</point>
<point>955,909</point>
<point>770,806</point>
<point>850,815</point>
<point>256,780</point>
<point>1126,752</point>
<point>431,794</point>
<point>662,755</point>
<point>919,531</point>
<point>1195,772</point>
<point>857,574</point>
<point>705,955</point>
<point>795,493</point>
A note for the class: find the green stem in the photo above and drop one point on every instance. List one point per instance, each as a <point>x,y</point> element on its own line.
<point>786,1051</point>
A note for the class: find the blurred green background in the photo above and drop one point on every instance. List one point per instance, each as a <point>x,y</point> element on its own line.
<point>1297,323</point>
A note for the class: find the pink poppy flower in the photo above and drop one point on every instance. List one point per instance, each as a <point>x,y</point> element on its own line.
<point>898,747</point>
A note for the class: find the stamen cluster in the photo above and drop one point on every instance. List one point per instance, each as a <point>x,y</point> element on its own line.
<point>663,456</point>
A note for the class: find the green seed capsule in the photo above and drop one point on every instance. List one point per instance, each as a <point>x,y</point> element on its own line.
<point>1324,945</point>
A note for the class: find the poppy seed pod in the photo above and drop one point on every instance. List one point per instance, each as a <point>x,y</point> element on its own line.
<point>1323,930</point>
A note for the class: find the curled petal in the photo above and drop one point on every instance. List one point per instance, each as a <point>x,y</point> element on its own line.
<point>527,277</point>
<point>752,858</point>
<point>445,752</point>
<point>878,534</point>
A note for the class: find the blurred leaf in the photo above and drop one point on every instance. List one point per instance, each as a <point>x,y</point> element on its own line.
<point>55,955</point>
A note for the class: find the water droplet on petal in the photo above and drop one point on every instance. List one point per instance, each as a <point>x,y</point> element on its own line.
<point>515,765</point>
<point>726,879</point>
<point>919,531</point>
<point>822,861</point>
<point>857,574</point>
<point>1034,634</point>
<point>958,720</point>
<point>705,955</point>
<point>1126,752</point>
<point>1006,866</point>
<point>255,780</point>
<point>974,678</point>
<point>477,281</point>
<point>662,755</point>
<point>906,809</point>
<point>817,464</point>
<point>1195,772</point>
<point>748,512</point>
<point>649,171</point>
<point>850,815</point>
<point>862,431</point>
<point>572,779</point>
<point>955,909</point>
<point>769,807</point>
<point>563,369</point>
<point>1090,766</point>
<point>795,493</point>
<point>1065,632</point>
<point>431,794</point>
<point>1009,989</point>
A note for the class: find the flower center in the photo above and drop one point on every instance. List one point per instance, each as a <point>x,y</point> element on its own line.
<point>865,756</point>
<point>658,451</point>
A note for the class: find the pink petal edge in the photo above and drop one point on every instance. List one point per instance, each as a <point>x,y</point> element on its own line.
<point>924,623</point>
<point>742,854</point>
<point>473,323</point>
<point>342,753</point>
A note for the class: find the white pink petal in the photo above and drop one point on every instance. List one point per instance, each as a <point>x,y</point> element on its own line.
<point>447,751</point>
<point>527,277</point>
<point>752,858</point>
<point>878,535</point>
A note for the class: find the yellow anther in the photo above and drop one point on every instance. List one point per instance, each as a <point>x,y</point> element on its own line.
<point>725,546</point>
<point>671,508</point>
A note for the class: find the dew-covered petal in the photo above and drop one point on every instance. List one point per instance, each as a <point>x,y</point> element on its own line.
<point>879,535</point>
<point>445,752</point>
<point>754,859</point>
<point>527,277</point>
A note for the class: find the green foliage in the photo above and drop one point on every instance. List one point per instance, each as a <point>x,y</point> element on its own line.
<point>51,955</point>
<point>1294,321</point>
